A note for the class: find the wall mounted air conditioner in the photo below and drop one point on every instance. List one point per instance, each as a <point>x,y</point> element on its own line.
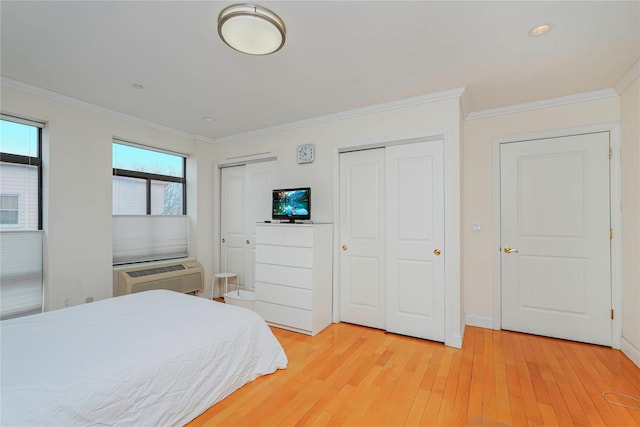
<point>183,276</point>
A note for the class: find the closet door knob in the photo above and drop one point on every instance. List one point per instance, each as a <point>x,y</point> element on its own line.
<point>437,252</point>
<point>222,240</point>
<point>248,242</point>
<point>344,247</point>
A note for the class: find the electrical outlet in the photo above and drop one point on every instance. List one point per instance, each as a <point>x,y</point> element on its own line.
<point>66,302</point>
<point>476,227</point>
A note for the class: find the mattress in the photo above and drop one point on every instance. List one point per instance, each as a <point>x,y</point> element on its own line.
<point>155,358</point>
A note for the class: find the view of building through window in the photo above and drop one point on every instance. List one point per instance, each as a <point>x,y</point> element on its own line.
<point>19,176</point>
<point>147,182</point>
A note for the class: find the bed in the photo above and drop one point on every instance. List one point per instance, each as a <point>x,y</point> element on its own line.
<point>155,358</point>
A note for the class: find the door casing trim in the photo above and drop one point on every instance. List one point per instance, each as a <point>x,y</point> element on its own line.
<point>616,222</point>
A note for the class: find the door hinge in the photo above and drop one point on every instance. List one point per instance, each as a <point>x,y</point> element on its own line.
<point>611,234</point>
<point>610,153</point>
<point>612,314</point>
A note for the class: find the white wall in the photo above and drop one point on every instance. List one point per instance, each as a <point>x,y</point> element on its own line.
<point>77,169</point>
<point>435,118</point>
<point>630,148</point>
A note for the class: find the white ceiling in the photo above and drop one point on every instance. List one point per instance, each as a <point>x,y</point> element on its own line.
<point>339,56</point>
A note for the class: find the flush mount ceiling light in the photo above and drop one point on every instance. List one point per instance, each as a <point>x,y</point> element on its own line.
<point>539,30</point>
<point>251,29</point>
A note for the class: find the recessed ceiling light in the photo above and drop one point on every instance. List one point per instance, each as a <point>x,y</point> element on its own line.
<point>539,30</point>
<point>207,119</point>
<point>137,86</point>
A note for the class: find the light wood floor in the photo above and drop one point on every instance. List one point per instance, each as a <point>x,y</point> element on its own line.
<point>351,375</point>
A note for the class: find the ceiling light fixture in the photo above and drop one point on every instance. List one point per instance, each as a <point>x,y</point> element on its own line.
<point>251,29</point>
<point>207,119</point>
<point>539,30</point>
<point>137,86</point>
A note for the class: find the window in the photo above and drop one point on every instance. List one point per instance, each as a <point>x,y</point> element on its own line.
<point>20,174</point>
<point>149,205</point>
<point>147,182</point>
<point>20,217</point>
<point>9,212</point>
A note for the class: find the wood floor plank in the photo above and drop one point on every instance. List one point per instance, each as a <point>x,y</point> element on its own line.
<point>582,396</point>
<point>516,403</point>
<point>425,373</point>
<point>475,391</point>
<point>354,376</point>
<point>489,401</point>
<point>461,405</point>
<point>584,368</point>
<point>526,384</point>
<point>503,407</point>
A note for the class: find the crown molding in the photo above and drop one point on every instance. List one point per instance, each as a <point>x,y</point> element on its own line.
<point>203,138</point>
<point>628,78</point>
<point>357,112</point>
<point>546,103</point>
<point>5,81</point>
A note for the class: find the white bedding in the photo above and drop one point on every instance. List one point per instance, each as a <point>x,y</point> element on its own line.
<point>154,358</point>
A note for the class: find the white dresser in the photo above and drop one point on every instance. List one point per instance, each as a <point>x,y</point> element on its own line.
<point>293,281</point>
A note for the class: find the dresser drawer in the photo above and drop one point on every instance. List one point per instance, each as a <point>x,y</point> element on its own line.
<point>286,235</point>
<point>284,255</point>
<point>284,275</point>
<point>284,295</point>
<point>283,315</point>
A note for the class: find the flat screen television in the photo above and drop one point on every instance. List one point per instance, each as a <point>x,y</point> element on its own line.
<point>291,204</point>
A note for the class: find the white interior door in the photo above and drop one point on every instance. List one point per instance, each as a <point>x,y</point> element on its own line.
<point>245,200</point>
<point>260,181</point>
<point>232,226</point>
<point>415,239</point>
<point>362,262</point>
<point>555,224</point>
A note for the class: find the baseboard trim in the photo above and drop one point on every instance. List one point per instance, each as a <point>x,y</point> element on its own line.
<point>630,351</point>
<point>479,321</point>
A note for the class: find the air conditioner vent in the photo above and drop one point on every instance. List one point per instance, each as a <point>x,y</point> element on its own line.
<point>186,276</point>
<point>157,270</point>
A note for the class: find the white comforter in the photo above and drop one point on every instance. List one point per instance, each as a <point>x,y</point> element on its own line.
<point>154,358</point>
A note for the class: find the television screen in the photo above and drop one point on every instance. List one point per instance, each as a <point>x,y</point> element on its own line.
<point>292,204</point>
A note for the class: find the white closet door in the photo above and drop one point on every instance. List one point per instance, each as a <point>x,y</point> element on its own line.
<point>232,224</point>
<point>260,181</point>
<point>415,240</point>
<point>245,200</point>
<point>362,263</point>
<point>555,221</point>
